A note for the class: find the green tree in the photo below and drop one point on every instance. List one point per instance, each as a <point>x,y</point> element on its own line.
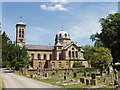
<point>89,50</point>
<point>13,55</point>
<point>110,35</point>
<point>101,57</point>
<point>77,65</point>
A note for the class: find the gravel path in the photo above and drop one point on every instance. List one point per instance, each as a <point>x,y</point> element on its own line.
<point>16,81</point>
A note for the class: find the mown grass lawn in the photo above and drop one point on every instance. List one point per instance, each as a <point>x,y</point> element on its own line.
<point>58,77</point>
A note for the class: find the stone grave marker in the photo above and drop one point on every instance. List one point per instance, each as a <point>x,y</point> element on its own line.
<point>74,75</point>
<point>46,74</point>
<point>82,80</point>
<point>65,77</point>
<point>85,74</point>
<point>87,81</point>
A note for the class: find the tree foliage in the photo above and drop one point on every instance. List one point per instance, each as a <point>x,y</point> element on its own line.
<point>89,50</point>
<point>13,55</point>
<point>101,57</point>
<point>110,35</point>
<point>77,65</point>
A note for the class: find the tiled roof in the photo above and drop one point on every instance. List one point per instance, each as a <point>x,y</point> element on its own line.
<point>39,47</point>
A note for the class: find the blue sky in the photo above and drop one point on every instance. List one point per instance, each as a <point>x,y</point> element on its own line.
<point>45,19</point>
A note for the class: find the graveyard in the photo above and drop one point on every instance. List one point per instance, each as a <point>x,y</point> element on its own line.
<point>84,78</point>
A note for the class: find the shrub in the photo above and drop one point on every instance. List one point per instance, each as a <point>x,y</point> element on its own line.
<point>86,70</point>
<point>78,65</point>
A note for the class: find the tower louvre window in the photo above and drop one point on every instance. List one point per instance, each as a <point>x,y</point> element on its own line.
<point>19,32</point>
<point>22,33</point>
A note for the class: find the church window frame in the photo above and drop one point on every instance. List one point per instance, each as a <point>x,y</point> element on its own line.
<point>19,32</point>
<point>60,57</point>
<point>50,56</point>
<point>32,56</point>
<point>22,33</point>
<point>69,54</point>
<point>40,65</point>
<point>76,54</point>
<point>65,35</point>
<point>45,57</point>
<point>60,35</point>
<point>73,55</point>
<point>38,56</point>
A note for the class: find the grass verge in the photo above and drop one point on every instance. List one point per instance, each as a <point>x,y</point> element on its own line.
<point>2,84</point>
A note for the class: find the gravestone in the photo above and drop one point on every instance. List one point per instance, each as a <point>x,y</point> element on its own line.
<point>46,74</point>
<point>85,74</point>
<point>82,80</point>
<point>90,74</point>
<point>65,77</point>
<point>93,76</point>
<point>74,75</point>
<point>53,73</point>
<point>93,82</point>
<point>87,81</point>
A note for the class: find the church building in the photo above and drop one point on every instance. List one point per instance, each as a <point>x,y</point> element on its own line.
<point>62,55</point>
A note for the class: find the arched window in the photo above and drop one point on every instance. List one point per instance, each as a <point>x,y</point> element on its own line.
<point>67,63</point>
<point>40,65</point>
<point>59,64</point>
<point>45,56</point>
<point>60,35</point>
<point>69,54</point>
<point>38,56</point>
<point>76,54</point>
<point>65,35</point>
<point>22,34</point>
<point>73,54</point>
<point>50,56</point>
<point>53,65</point>
<point>32,56</point>
<point>19,32</point>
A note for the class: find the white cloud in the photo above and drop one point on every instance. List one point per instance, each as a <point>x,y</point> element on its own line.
<point>60,1</point>
<point>53,8</point>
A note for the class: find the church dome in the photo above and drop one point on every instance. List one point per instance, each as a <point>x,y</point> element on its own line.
<point>63,34</point>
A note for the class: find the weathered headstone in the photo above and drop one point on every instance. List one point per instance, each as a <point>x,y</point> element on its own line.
<point>68,73</point>
<point>87,81</point>
<point>65,77</point>
<point>82,80</point>
<point>74,75</point>
<point>93,82</point>
<point>31,76</point>
<point>53,73</point>
<point>46,74</point>
<point>85,74</point>
<point>93,76</point>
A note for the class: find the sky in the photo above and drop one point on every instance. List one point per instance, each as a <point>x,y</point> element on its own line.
<point>45,19</point>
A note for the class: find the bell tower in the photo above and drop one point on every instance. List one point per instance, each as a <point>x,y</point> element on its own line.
<point>20,33</point>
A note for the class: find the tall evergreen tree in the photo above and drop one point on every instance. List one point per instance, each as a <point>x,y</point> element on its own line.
<point>13,55</point>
